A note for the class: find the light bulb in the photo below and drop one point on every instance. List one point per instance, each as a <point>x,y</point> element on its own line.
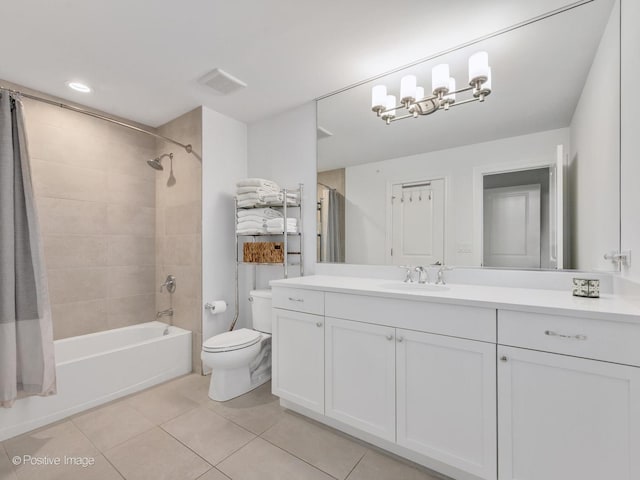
<point>419,93</point>
<point>378,97</point>
<point>440,78</point>
<point>478,67</point>
<point>487,85</point>
<point>408,88</point>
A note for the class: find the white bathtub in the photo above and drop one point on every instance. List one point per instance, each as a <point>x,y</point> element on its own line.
<point>99,367</point>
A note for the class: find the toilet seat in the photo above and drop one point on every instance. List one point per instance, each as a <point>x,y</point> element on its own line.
<point>233,340</point>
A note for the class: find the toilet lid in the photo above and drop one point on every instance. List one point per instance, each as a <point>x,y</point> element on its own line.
<point>232,340</point>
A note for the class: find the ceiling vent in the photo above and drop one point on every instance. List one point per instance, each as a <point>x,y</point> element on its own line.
<point>323,133</point>
<point>222,82</point>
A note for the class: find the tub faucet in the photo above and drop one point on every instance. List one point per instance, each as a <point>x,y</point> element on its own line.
<point>165,313</point>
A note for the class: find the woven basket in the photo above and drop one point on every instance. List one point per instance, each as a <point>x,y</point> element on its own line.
<point>263,252</point>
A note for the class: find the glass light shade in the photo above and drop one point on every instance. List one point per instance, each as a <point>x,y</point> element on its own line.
<point>452,88</point>
<point>408,87</point>
<point>440,78</point>
<point>478,66</point>
<point>391,105</point>
<point>487,85</point>
<point>419,93</point>
<point>378,96</point>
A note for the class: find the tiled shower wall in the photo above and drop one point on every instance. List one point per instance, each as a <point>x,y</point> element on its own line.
<point>179,226</point>
<point>96,203</point>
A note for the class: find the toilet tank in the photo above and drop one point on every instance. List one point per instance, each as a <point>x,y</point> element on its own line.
<point>261,310</point>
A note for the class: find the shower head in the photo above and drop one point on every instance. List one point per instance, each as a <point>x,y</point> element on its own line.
<point>156,163</point>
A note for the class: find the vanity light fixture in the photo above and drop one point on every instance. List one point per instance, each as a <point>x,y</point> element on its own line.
<point>443,88</point>
<point>79,87</point>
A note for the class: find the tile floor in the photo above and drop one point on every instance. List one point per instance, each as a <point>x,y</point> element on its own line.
<point>175,432</point>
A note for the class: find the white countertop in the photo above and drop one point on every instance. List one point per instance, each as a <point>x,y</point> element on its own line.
<point>555,302</point>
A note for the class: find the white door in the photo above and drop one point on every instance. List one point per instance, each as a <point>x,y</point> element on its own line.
<point>417,223</point>
<point>512,227</point>
<point>360,376</point>
<point>565,418</point>
<point>447,400</point>
<point>298,358</point>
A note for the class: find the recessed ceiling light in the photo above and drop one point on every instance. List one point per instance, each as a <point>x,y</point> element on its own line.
<point>79,87</point>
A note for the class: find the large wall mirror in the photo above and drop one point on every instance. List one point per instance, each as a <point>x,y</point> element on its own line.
<point>529,178</point>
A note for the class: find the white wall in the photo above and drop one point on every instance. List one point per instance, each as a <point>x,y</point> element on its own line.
<point>224,161</point>
<point>366,187</point>
<point>631,135</point>
<point>594,168</point>
<point>283,148</point>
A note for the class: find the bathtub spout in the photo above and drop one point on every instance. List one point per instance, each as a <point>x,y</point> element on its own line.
<point>166,313</point>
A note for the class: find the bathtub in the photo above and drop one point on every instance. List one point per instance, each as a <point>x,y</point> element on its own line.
<point>99,367</point>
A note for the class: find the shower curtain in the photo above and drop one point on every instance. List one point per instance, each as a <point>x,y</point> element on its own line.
<point>27,364</point>
<point>332,220</point>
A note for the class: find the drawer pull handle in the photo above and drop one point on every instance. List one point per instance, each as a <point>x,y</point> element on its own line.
<point>296,299</point>
<point>318,324</point>
<point>504,358</point>
<point>551,333</point>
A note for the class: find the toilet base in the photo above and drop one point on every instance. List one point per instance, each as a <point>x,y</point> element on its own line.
<point>232,382</point>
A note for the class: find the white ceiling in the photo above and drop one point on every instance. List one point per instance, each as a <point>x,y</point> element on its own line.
<point>143,58</point>
<point>538,73</point>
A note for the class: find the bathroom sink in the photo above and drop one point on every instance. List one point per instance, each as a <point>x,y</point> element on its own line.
<point>414,287</point>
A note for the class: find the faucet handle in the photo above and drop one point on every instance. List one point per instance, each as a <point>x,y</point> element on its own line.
<point>409,269</point>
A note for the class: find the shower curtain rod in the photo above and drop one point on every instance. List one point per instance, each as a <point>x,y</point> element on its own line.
<point>106,118</point>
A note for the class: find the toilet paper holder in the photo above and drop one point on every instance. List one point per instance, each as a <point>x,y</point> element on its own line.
<point>212,307</point>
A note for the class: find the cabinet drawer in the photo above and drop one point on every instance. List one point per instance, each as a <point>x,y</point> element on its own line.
<point>299,300</point>
<point>474,323</point>
<point>597,339</point>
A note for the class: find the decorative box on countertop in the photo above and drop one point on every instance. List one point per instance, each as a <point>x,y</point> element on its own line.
<point>584,287</point>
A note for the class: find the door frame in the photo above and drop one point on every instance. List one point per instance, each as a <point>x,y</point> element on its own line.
<point>388,238</point>
<point>478,196</point>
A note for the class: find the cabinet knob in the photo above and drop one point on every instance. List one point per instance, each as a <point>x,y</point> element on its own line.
<point>389,337</point>
<point>503,358</point>
<point>318,324</point>
<point>400,339</point>
<point>292,299</point>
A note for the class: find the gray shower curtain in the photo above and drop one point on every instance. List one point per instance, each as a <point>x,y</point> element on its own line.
<point>27,365</point>
<point>332,220</point>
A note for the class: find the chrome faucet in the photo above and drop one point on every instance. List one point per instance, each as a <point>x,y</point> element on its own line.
<point>423,275</point>
<point>165,313</point>
<point>440,275</point>
<point>408,274</point>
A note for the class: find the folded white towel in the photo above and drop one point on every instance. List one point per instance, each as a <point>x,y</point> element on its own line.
<point>290,229</point>
<point>250,196</point>
<point>257,182</point>
<point>263,212</point>
<point>251,224</point>
<point>248,203</point>
<point>259,190</point>
<point>274,198</point>
<point>251,231</point>
<point>279,222</point>
<point>252,218</point>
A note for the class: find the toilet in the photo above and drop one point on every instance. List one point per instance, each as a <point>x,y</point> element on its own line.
<point>240,360</point>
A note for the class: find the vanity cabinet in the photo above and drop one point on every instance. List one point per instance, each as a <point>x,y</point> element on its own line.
<point>298,358</point>
<point>562,417</point>
<point>353,395</point>
<point>446,395</point>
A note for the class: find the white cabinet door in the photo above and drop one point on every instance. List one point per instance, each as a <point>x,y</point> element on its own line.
<point>360,376</point>
<point>563,418</point>
<point>298,358</point>
<point>447,400</point>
